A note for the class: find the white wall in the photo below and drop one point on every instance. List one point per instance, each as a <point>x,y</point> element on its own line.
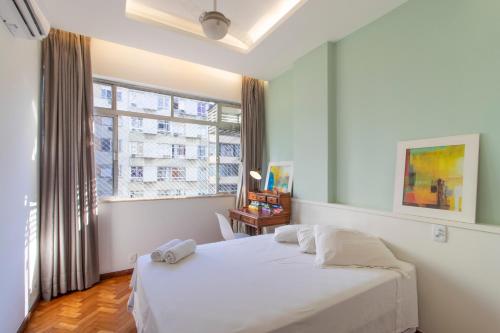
<point>139,226</point>
<point>117,61</point>
<point>458,281</point>
<point>19,111</point>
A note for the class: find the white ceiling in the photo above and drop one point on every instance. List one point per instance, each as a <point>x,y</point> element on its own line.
<point>250,21</point>
<point>313,23</point>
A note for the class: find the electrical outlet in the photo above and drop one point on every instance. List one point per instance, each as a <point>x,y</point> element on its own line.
<point>439,233</point>
<point>132,258</point>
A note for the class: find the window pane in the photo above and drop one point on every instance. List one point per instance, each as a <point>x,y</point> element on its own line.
<point>193,109</point>
<point>163,158</point>
<point>142,101</point>
<point>103,149</point>
<point>103,95</point>
<point>230,115</point>
<point>229,159</point>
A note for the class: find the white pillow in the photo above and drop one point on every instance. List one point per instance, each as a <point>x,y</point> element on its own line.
<point>305,236</point>
<point>287,233</point>
<point>343,247</point>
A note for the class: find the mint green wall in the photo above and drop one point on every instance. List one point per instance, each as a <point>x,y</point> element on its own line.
<point>430,68</point>
<point>279,118</point>
<point>298,112</point>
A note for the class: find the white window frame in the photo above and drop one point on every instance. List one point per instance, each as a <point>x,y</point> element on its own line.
<point>114,113</point>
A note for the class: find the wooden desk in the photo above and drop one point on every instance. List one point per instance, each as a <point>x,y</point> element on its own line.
<point>258,220</point>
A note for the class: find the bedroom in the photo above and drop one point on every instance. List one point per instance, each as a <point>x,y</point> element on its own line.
<point>347,97</point>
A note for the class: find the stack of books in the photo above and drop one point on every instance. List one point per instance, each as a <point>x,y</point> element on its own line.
<point>265,208</point>
<point>255,206</point>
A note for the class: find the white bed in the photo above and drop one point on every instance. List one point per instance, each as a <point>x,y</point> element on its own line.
<point>257,285</point>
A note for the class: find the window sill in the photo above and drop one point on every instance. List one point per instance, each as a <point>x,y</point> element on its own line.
<point>112,200</point>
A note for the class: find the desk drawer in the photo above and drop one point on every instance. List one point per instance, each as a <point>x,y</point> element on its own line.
<point>233,215</point>
<point>247,219</point>
<point>272,200</point>
<point>260,197</point>
<point>252,196</point>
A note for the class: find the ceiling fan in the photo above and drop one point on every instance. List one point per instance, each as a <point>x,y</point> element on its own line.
<point>215,25</point>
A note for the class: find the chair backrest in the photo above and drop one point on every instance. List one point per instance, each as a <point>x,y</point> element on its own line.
<point>225,227</point>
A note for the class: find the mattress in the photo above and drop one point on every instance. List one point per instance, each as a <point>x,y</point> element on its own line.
<point>257,285</point>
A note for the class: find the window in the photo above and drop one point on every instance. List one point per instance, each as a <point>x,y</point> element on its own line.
<point>103,133</point>
<point>231,114</point>
<point>178,151</point>
<point>177,173</point>
<point>161,173</point>
<point>229,170</point>
<point>135,100</point>
<point>136,173</point>
<point>105,144</point>
<point>167,145</point>
<point>194,109</point>
<point>228,188</point>
<point>136,148</point>
<point>229,150</point>
<point>136,124</point>
<point>202,152</point>
<point>163,127</point>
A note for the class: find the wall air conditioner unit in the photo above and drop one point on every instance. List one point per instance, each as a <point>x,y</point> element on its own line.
<point>24,19</point>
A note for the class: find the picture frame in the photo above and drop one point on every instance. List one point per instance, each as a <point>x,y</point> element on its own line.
<point>279,177</point>
<point>438,177</point>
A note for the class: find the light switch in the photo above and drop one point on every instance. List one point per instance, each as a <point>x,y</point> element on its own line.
<point>439,233</point>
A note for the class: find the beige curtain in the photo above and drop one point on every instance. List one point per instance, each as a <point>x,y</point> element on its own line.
<point>252,137</point>
<point>68,241</point>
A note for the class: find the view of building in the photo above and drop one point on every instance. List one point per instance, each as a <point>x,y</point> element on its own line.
<point>194,155</point>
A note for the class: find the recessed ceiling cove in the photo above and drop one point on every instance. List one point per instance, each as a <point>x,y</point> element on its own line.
<point>251,21</point>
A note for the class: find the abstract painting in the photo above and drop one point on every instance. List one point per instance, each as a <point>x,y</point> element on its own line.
<point>438,177</point>
<point>434,177</point>
<point>279,177</point>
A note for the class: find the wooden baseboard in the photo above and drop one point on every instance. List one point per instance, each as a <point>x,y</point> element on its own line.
<point>115,274</point>
<point>23,325</point>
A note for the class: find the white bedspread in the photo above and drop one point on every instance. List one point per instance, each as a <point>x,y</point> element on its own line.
<point>257,285</point>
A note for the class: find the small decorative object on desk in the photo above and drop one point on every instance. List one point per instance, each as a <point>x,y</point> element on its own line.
<point>255,206</point>
<point>277,209</point>
<point>266,208</point>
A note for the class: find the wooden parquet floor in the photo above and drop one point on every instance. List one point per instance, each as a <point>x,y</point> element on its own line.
<point>102,308</point>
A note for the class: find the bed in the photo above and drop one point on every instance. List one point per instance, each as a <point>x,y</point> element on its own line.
<point>256,284</point>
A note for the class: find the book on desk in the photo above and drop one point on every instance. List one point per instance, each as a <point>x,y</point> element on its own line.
<point>263,209</point>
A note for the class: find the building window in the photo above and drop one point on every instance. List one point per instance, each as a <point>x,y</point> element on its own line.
<point>177,174</point>
<point>162,174</point>
<point>136,173</point>
<point>106,93</point>
<point>229,150</point>
<point>105,144</point>
<point>136,148</point>
<point>178,151</point>
<point>163,127</point>
<point>166,145</point>
<point>228,188</point>
<point>229,170</point>
<point>136,124</point>
<point>202,152</point>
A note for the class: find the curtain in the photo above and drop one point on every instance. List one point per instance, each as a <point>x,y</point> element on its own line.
<point>252,137</point>
<point>68,240</point>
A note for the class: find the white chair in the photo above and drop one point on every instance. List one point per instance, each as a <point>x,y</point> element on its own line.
<point>225,229</point>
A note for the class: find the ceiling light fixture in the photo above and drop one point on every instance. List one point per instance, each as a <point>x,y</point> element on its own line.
<point>215,25</point>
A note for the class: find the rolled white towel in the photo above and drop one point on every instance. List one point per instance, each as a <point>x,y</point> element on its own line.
<point>158,253</point>
<point>179,251</point>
